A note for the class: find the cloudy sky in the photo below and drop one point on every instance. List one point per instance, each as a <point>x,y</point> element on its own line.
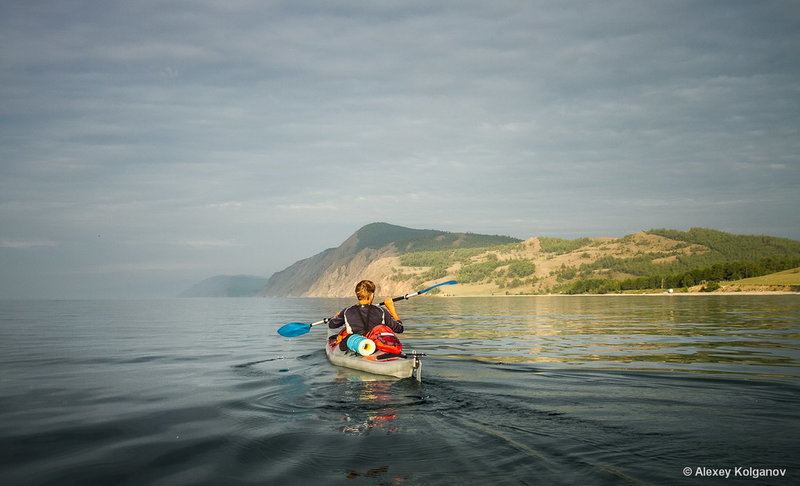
<point>147,145</point>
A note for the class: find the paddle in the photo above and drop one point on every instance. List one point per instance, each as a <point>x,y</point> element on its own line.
<point>450,282</point>
<point>294,329</point>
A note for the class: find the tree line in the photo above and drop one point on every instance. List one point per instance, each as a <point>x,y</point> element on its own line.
<point>715,273</point>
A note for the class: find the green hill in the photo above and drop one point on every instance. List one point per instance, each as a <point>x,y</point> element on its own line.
<point>722,256</point>
<point>379,235</point>
<point>786,277</point>
<point>725,247</point>
<point>714,248</point>
<point>401,259</point>
<point>653,259</point>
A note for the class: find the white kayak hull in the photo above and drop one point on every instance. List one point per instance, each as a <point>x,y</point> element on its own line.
<point>397,367</point>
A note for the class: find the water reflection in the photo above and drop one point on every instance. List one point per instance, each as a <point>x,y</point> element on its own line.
<point>741,334</point>
<point>373,404</point>
<point>362,403</point>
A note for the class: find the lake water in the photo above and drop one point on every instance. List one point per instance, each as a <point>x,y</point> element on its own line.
<point>518,390</point>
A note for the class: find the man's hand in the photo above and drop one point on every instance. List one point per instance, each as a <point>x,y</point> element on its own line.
<point>390,307</point>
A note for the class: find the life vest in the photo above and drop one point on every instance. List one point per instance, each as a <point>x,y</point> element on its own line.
<point>385,339</point>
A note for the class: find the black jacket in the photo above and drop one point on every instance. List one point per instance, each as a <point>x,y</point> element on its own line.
<point>359,319</point>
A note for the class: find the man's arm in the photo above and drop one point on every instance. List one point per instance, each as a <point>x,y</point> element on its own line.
<point>336,321</point>
<point>393,320</point>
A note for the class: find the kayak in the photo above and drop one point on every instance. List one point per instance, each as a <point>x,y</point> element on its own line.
<point>378,363</point>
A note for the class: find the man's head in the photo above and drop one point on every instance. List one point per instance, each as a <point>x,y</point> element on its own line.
<point>365,290</point>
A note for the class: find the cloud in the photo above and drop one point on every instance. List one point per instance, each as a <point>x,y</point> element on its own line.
<point>318,206</point>
<point>225,205</point>
<point>19,244</point>
<point>247,123</point>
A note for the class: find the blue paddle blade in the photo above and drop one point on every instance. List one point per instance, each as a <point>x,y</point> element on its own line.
<point>450,282</point>
<point>294,329</point>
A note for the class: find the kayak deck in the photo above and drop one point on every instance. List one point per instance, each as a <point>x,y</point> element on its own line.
<point>398,366</point>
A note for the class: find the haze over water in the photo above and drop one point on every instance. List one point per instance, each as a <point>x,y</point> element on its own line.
<point>517,390</point>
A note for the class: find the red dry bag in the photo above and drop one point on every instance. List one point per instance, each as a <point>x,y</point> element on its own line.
<point>385,339</point>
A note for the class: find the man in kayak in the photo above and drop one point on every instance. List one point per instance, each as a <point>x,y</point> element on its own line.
<point>365,317</point>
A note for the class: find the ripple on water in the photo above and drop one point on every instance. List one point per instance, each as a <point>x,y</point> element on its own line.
<point>583,391</point>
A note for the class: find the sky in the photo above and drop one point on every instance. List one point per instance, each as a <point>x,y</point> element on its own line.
<point>147,145</point>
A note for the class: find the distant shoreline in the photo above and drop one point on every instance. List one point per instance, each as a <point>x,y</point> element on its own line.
<point>655,294</point>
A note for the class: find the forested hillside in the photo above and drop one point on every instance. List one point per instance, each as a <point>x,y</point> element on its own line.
<point>402,259</point>
<point>656,259</point>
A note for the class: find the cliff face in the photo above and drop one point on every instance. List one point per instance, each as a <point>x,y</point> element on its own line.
<point>341,278</point>
<point>332,273</point>
<point>295,280</point>
<point>371,253</point>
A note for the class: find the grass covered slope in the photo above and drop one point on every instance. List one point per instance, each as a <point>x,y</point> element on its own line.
<point>787,277</point>
<point>787,280</point>
<point>725,247</point>
<point>653,259</point>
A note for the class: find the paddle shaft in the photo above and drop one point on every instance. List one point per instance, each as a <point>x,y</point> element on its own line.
<point>408,296</point>
<point>297,328</point>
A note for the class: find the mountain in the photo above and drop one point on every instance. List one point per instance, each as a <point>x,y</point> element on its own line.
<point>402,259</point>
<point>227,286</point>
<point>371,252</point>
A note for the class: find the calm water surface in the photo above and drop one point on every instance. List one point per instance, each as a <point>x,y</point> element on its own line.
<point>518,390</point>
